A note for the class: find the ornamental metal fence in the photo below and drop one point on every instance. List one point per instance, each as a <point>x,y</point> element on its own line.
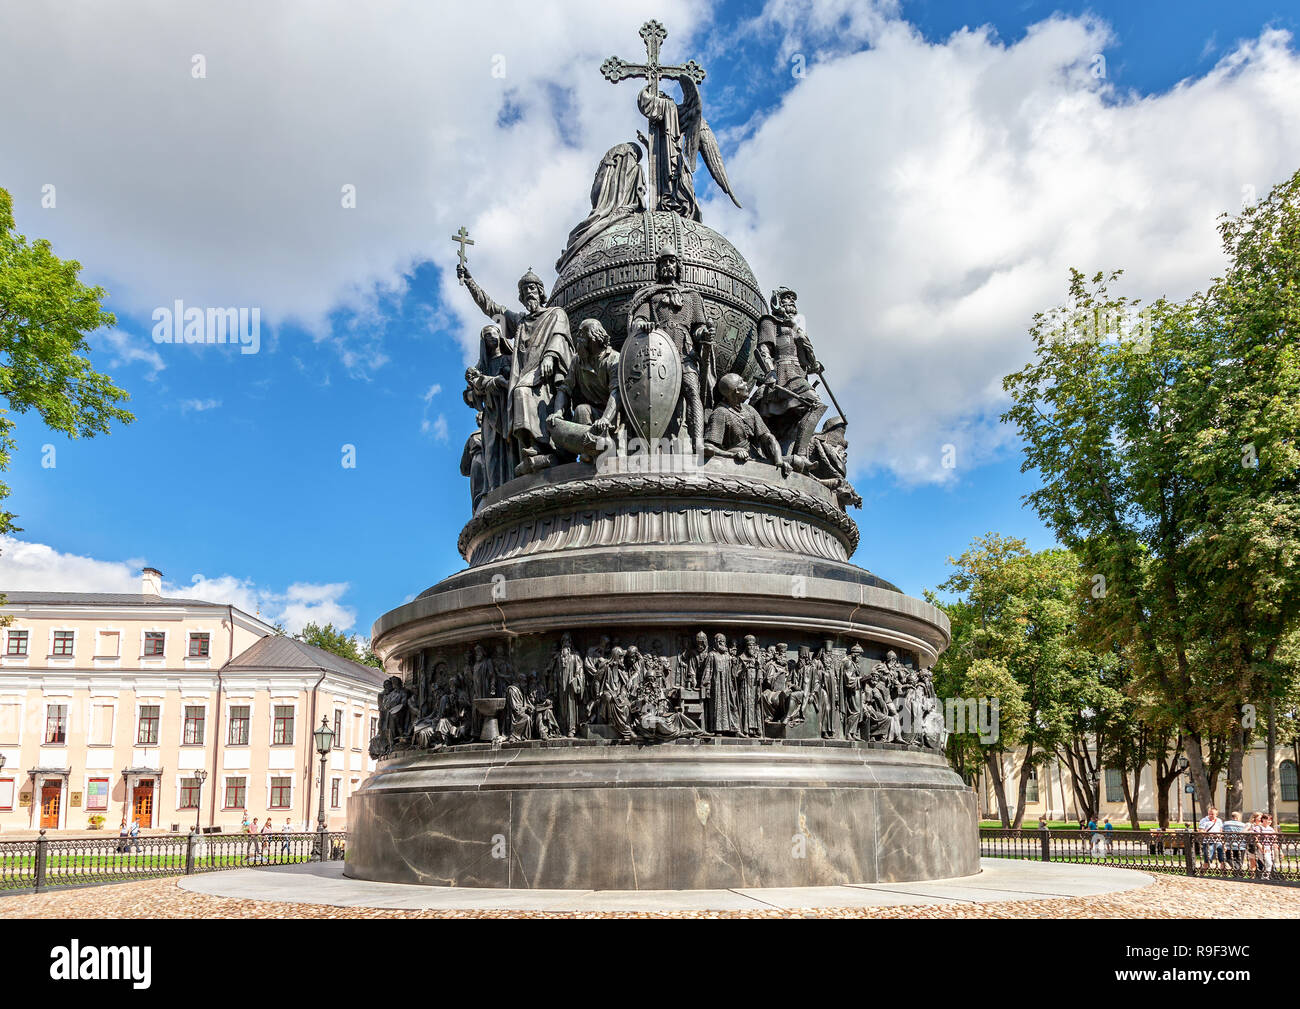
<point>1244,856</point>
<point>42,863</point>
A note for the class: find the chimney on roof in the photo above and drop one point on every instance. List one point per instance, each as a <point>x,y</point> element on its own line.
<point>151,582</point>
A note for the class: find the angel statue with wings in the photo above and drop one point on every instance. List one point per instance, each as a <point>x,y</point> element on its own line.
<point>680,135</point>
<point>678,132</point>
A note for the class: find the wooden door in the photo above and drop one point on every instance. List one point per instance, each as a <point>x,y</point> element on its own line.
<point>142,804</point>
<point>50,796</point>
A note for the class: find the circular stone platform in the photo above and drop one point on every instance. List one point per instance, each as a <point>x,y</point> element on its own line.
<point>999,880</point>
<point>691,814</point>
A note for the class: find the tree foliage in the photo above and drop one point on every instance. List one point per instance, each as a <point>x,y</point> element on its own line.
<point>1168,446</point>
<point>340,643</point>
<point>46,314</point>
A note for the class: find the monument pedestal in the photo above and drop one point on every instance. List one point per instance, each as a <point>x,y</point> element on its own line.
<point>693,814</point>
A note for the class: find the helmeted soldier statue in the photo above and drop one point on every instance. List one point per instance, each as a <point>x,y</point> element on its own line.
<point>786,400</point>
<point>679,312</point>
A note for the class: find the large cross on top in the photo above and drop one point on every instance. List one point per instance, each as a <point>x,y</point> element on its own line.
<point>614,70</point>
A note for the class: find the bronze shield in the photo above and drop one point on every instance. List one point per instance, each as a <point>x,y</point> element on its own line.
<point>649,382</point>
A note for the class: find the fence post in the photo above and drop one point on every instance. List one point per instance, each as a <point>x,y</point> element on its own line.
<point>1189,853</point>
<point>42,847</point>
<point>1045,836</point>
<point>189,853</point>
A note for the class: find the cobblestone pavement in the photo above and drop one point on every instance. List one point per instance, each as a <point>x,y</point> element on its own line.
<point>1166,897</point>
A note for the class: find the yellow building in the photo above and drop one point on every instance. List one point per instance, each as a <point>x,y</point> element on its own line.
<point>111,703</point>
<point>1049,791</point>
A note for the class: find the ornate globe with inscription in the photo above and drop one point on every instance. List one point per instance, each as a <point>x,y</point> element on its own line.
<point>600,278</point>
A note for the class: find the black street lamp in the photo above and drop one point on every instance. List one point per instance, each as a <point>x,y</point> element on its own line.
<point>200,776</point>
<point>324,743</point>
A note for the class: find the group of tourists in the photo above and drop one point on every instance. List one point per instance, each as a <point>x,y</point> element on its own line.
<point>1254,850</point>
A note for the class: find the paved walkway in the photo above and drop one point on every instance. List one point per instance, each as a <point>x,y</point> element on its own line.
<point>1165,897</point>
<point>1001,880</point>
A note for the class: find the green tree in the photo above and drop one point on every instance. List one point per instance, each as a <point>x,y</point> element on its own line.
<point>46,313</point>
<point>1016,610</point>
<point>334,640</point>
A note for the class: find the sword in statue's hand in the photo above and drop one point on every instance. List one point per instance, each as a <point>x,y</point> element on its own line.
<point>462,239</point>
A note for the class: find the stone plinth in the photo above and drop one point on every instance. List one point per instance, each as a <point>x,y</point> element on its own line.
<point>711,813</point>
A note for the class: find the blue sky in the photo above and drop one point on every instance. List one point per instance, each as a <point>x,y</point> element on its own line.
<point>232,471</point>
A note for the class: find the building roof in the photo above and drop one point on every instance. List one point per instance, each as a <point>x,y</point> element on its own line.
<point>21,596</point>
<point>277,651</point>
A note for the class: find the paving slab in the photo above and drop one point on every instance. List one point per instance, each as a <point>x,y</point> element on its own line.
<point>1000,880</point>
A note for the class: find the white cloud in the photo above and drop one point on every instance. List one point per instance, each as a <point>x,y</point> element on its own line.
<point>199,405</point>
<point>37,567</point>
<point>124,349</point>
<point>942,204</point>
<point>228,190</point>
<point>925,198</point>
<point>440,428</point>
<point>433,391</point>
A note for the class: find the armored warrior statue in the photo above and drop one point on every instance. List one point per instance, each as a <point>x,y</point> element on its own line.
<point>588,393</point>
<point>827,462</point>
<point>786,400</point>
<point>541,349</point>
<point>737,431</point>
<point>678,312</point>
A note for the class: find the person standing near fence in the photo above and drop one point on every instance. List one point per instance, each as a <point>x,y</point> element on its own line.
<point>1266,844</point>
<point>284,844</point>
<point>1235,845</point>
<point>1252,844</point>
<point>267,827</point>
<point>253,840</point>
<point>123,844</point>
<point>1212,846</point>
<point>134,836</point>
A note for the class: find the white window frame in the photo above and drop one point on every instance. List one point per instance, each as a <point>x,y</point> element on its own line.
<point>20,700</point>
<point>239,702</point>
<point>182,776</point>
<point>61,630</point>
<point>148,702</point>
<point>28,633</point>
<point>99,701</point>
<point>207,724</point>
<point>99,631</point>
<point>280,702</point>
<point>153,659</point>
<point>225,781</point>
<point>293,791</point>
<point>66,704</point>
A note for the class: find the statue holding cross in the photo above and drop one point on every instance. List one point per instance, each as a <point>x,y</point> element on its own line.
<point>678,133</point>
<point>462,237</point>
